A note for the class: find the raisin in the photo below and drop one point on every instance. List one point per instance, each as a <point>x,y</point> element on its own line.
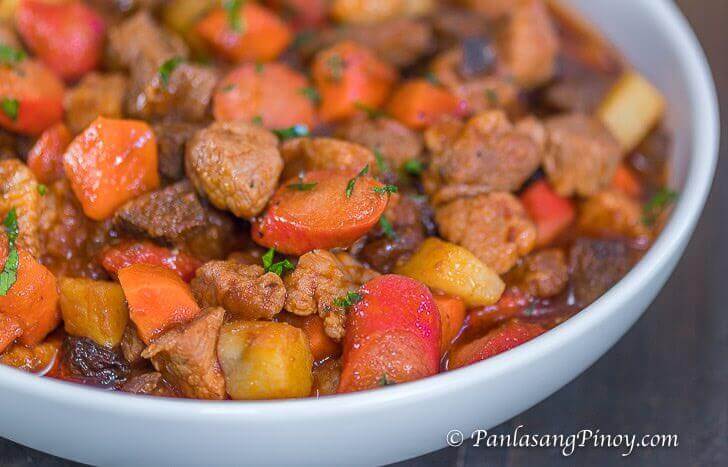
<point>94,364</point>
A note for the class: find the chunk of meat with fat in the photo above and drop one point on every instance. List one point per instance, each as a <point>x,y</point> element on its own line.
<point>580,155</point>
<point>302,155</point>
<point>395,142</point>
<point>149,384</point>
<point>19,190</point>
<point>172,140</point>
<point>494,227</point>
<point>318,280</point>
<point>187,356</point>
<point>245,291</point>
<point>97,94</point>
<point>166,214</point>
<point>596,265</point>
<point>611,213</point>
<point>235,165</point>
<point>483,155</point>
<point>132,346</point>
<point>541,274</point>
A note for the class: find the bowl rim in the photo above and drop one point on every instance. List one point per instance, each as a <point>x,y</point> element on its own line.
<point>703,161</point>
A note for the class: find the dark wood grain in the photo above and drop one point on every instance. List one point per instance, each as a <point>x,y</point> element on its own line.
<point>669,374</point>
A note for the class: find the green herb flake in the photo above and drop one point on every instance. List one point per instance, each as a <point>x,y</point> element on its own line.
<point>657,204</point>
<point>386,189</point>
<point>352,182</point>
<point>167,68</point>
<point>10,107</point>
<point>259,67</point>
<point>300,186</point>
<point>492,96</point>
<point>387,228</point>
<point>351,299</point>
<point>235,21</point>
<point>381,162</point>
<point>303,38</point>
<point>432,78</point>
<point>42,189</point>
<point>311,94</point>
<point>257,120</point>
<point>228,88</point>
<point>295,131</point>
<point>277,268</point>
<point>371,112</point>
<point>10,55</point>
<point>413,167</point>
<point>336,66</point>
<point>385,381</point>
<point>9,274</point>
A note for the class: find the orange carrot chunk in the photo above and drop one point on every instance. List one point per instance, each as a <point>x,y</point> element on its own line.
<point>349,78</point>
<point>551,213</point>
<point>31,97</point>
<point>157,299</point>
<point>9,331</point>
<point>66,36</point>
<point>274,93</point>
<point>418,104</point>
<point>505,337</point>
<point>392,335</point>
<point>111,162</point>
<point>626,181</point>
<point>248,33</point>
<point>125,254</point>
<point>323,210</point>
<point>45,158</point>
<point>322,346</point>
<point>452,316</point>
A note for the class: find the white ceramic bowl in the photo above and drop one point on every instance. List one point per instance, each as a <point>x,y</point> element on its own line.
<point>403,421</point>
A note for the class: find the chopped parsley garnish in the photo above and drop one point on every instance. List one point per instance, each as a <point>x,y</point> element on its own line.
<point>352,182</point>
<point>351,299</point>
<point>228,88</point>
<point>336,67</point>
<point>276,268</point>
<point>295,131</point>
<point>259,67</point>
<point>257,120</point>
<point>233,7</point>
<point>385,381</point>
<point>387,228</point>
<point>9,274</point>
<point>10,107</point>
<point>10,55</point>
<point>658,203</point>
<point>413,167</point>
<point>303,38</point>
<point>432,78</point>
<point>300,186</point>
<point>381,162</point>
<point>371,112</point>
<point>386,189</point>
<point>42,189</point>
<point>166,69</point>
<point>492,96</point>
<point>311,94</point>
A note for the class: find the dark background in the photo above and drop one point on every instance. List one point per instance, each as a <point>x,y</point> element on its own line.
<point>669,374</point>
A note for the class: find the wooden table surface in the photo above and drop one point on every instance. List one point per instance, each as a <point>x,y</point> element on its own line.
<point>669,374</point>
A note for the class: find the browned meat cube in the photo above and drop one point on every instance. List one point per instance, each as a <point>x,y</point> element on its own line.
<point>172,139</point>
<point>97,94</point>
<point>596,265</point>
<point>132,346</point>
<point>187,356</point>
<point>149,384</point>
<point>541,274</point>
<point>306,154</point>
<point>245,291</point>
<point>611,213</point>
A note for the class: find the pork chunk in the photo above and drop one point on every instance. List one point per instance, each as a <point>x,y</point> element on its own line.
<point>97,94</point>
<point>187,356</point>
<point>235,165</point>
<point>132,346</point>
<point>245,291</point>
<point>486,154</point>
<point>165,214</point>
<point>172,139</point>
<point>301,155</point>
<point>581,156</point>
<point>541,274</point>
<point>596,265</point>
<point>148,384</point>
<point>494,227</point>
<point>611,213</point>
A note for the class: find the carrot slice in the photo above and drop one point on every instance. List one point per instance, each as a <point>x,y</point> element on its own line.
<point>9,331</point>
<point>111,162</point>
<point>350,77</point>
<point>322,346</point>
<point>323,210</point>
<point>452,316</point>
<point>250,33</point>
<point>274,93</point>
<point>157,298</point>
<point>626,181</point>
<point>31,97</point>
<point>419,103</point>
<point>125,254</point>
<point>45,158</point>
<point>551,213</point>
<point>505,337</point>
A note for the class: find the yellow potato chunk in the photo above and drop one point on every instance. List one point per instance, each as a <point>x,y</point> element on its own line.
<point>181,16</point>
<point>455,271</point>
<point>265,360</point>
<point>94,309</point>
<point>373,11</point>
<point>631,109</point>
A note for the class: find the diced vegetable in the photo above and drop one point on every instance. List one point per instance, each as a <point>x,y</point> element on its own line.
<point>512,303</point>
<point>507,336</point>
<point>350,77</point>
<point>550,212</point>
<point>32,299</point>
<point>626,181</point>
<point>452,316</point>
<point>45,158</point>
<point>392,335</point>
<point>359,11</point>
<point>245,32</point>
<point>124,254</point>
<point>31,97</point>
<point>265,360</point>
<point>157,298</point>
<point>67,36</point>
<point>455,271</point>
<point>322,346</point>
<point>419,103</point>
<point>337,211</point>
<point>111,162</point>
<point>9,331</point>
<point>94,309</point>
<point>38,358</point>
<point>273,94</point>
<point>181,16</point>
<point>631,109</point>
